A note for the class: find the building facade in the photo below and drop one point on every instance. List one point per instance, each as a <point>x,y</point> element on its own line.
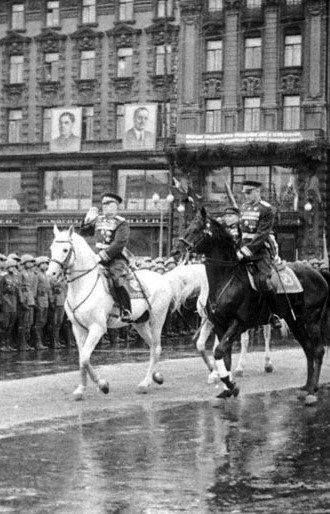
<point>229,89</point>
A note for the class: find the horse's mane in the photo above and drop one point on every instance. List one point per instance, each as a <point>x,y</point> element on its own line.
<point>185,282</point>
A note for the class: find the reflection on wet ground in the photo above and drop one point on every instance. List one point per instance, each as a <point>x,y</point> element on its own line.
<point>261,453</point>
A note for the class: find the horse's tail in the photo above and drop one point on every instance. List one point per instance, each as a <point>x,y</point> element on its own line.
<point>181,289</point>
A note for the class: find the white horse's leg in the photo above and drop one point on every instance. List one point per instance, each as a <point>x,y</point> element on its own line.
<point>267,331</point>
<point>94,335</point>
<point>242,358</point>
<point>80,336</point>
<point>204,334</point>
<point>152,337</point>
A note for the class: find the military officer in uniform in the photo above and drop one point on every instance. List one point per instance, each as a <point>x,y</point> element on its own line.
<point>112,232</point>
<point>256,223</point>
<point>56,312</point>
<point>43,301</point>
<point>8,304</point>
<point>3,259</point>
<point>27,294</point>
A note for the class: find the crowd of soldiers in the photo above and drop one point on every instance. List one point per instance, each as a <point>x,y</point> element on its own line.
<point>31,305</point>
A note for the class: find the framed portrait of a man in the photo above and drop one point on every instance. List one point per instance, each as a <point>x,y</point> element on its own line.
<point>65,130</point>
<point>140,126</point>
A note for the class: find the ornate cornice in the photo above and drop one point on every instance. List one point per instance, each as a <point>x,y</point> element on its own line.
<point>15,43</point>
<point>124,34</point>
<point>86,38</point>
<point>50,40</point>
<point>290,83</point>
<point>211,85</point>
<point>191,7</point>
<point>251,85</point>
<point>161,31</point>
<point>212,28</point>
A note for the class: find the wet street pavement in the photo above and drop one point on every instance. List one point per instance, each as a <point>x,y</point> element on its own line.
<point>260,453</point>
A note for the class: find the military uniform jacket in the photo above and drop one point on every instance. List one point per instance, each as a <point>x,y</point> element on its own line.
<point>27,288</point>
<point>44,292</point>
<point>59,292</point>
<point>257,220</point>
<point>112,236</point>
<point>9,292</point>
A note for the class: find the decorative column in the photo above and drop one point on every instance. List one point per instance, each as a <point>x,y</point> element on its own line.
<point>231,67</point>
<point>271,64</point>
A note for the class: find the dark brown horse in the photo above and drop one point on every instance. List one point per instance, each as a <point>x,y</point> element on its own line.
<point>233,306</point>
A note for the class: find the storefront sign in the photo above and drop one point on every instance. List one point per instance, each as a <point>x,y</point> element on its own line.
<point>244,137</point>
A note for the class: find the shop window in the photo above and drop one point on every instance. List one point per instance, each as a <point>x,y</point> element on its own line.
<point>10,189</point>
<point>292,50</point>
<point>15,118</point>
<point>253,4</point>
<point>125,10</point>
<point>289,3</point>
<point>242,173</point>
<point>252,53</point>
<point>51,64</point>
<point>53,14</point>
<point>215,5</point>
<point>16,69</point>
<point>46,125</point>
<point>213,116</point>
<point>164,8</point>
<point>163,59</point>
<point>164,120</point>
<point>291,113</point>
<point>120,110</point>
<point>9,240</point>
<point>124,62</point>
<point>215,189</point>
<point>87,65</point>
<point>214,55</point>
<point>251,114</point>
<point>137,187</point>
<point>284,188</point>
<point>88,14</point>
<point>68,190</point>
<point>17,17</point>
<point>87,123</point>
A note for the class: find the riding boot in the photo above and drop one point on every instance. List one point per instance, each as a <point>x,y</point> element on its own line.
<point>274,319</point>
<point>125,304</point>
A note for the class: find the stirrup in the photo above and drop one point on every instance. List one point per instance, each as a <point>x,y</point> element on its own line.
<point>275,321</point>
<point>126,316</point>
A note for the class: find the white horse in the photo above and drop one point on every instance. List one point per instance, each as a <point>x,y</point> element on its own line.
<point>91,309</point>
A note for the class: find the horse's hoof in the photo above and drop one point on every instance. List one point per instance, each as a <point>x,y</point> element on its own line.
<point>79,393</point>
<point>142,389</point>
<point>157,377</point>
<point>238,373</point>
<point>235,391</point>
<point>104,386</point>
<point>269,368</point>
<point>311,399</point>
<point>224,394</point>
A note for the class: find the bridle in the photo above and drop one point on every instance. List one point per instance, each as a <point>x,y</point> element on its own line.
<point>65,264</point>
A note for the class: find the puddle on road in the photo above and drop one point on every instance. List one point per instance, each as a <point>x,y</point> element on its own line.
<point>262,453</point>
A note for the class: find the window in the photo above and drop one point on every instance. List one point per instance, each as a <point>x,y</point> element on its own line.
<point>259,173</point>
<point>214,55</point>
<point>284,188</point>
<point>15,118</point>
<point>10,188</point>
<point>163,59</point>
<point>253,4</point>
<point>124,62</point>
<point>46,125</point>
<point>253,53</point>
<point>291,113</point>
<point>51,64</point>
<point>164,8</point>
<point>17,17</point>
<point>251,114</point>
<point>125,10</point>
<point>293,2</point>
<point>138,186</point>
<point>215,186</point>
<point>213,116</point>
<point>88,11</point>
<point>119,121</point>
<point>53,14</point>
<point>292,50</point>
<point>16,69</point>
<point>87,123</point>
<point>68,190</point>
<point>215,5</point>
<point>87,65</point>
<point>164,120</point>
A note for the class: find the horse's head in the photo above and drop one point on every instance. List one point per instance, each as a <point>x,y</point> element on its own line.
<point>204,234</point>
<point>62,252</point>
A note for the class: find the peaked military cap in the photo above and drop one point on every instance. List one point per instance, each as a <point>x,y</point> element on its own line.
<point>114,196</point>
<point>251,183</point>
<point>159,260</point>
<point>170,260</point>
<point>27,258</point>
<point>232,210</point>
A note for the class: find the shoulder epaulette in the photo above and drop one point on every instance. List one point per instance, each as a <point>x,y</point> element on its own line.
<point>265,204</point>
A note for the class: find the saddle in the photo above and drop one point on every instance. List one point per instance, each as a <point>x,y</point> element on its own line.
<point>283,278</point>
<point>134,288</point>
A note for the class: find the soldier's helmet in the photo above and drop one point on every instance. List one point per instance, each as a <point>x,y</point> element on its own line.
<point>159,260</point>
<point>10,263</point>
<point>26,257</point>
<point>3,258</point>
<point>160,268</point>
<point>42,259</point>
<point>14,256</point>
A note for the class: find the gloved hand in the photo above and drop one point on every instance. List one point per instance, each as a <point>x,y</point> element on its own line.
<point>240,256</point>
<point>98,259</point>
<point>91,215</point>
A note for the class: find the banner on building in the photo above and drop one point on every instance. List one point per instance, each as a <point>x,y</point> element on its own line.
<point>244,137</point>
<point>65,134</point>
<point>140,126</point>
